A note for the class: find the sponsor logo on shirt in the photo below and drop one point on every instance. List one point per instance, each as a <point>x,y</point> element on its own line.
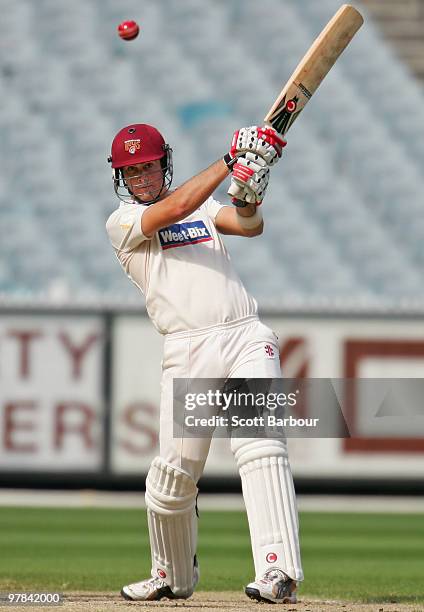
<point>182,234</point>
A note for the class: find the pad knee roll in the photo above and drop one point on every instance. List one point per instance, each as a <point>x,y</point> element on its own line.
<point>250,449</point>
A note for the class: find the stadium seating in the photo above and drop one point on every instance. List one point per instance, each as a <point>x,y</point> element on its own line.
<point>344,215</point>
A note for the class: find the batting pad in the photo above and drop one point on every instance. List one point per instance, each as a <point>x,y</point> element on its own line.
<point>270,501</point>
<point>171,514</point>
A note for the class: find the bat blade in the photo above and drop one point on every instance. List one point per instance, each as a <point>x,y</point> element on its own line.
<point>313,68</point>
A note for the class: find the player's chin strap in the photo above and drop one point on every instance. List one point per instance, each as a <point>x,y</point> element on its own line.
<point>269,496</point>
<point>171,513</point>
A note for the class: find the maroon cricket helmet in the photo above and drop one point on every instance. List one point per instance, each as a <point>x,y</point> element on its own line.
<point>136,144</point>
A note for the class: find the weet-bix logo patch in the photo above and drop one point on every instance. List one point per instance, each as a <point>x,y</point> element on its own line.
<point>182,234</point>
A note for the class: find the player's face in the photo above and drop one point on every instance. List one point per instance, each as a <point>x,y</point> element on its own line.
<point>145,180</point>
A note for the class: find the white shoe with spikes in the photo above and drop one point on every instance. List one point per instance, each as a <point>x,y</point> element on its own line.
<point>274,586</point>
<point>154,589</point>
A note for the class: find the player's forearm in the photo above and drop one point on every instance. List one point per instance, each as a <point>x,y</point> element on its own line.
<point>187,198</point>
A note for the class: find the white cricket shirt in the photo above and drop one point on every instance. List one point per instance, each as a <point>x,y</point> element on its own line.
<point>184,270</point>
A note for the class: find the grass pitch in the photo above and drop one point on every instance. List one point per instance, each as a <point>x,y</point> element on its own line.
<point>356,557</point>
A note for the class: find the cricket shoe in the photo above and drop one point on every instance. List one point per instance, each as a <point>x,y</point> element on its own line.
<point>154,589</point>
<point>274,587</point>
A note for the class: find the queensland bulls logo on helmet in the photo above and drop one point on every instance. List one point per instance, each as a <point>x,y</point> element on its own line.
<point>131,146</point>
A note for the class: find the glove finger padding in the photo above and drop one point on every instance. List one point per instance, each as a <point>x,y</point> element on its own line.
<point>251,176</point>
<point>244,194</point>
<point>263,141</point>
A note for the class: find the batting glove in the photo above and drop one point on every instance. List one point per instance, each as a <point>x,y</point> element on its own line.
<point>263,141</point>
<point>250,179</point>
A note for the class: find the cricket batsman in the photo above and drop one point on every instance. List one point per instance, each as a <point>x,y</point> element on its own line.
<point>169,244</point>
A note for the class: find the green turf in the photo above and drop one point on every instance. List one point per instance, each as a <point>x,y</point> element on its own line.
<point>364,557</point>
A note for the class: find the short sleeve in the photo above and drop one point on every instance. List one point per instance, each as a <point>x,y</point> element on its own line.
<point>124,227</point>
<point>213,207</point>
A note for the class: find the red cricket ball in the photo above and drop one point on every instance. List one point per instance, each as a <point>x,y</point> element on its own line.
<point>128,30</point>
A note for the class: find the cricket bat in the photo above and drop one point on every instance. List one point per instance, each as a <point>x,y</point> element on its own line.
<point>311,71</point>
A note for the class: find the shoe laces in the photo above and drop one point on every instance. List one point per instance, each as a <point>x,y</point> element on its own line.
<point>274,575</point>
<point>156,583</point>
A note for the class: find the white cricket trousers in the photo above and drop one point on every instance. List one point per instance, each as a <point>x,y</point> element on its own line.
<point>232,350</point>
<point>240,349</point>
